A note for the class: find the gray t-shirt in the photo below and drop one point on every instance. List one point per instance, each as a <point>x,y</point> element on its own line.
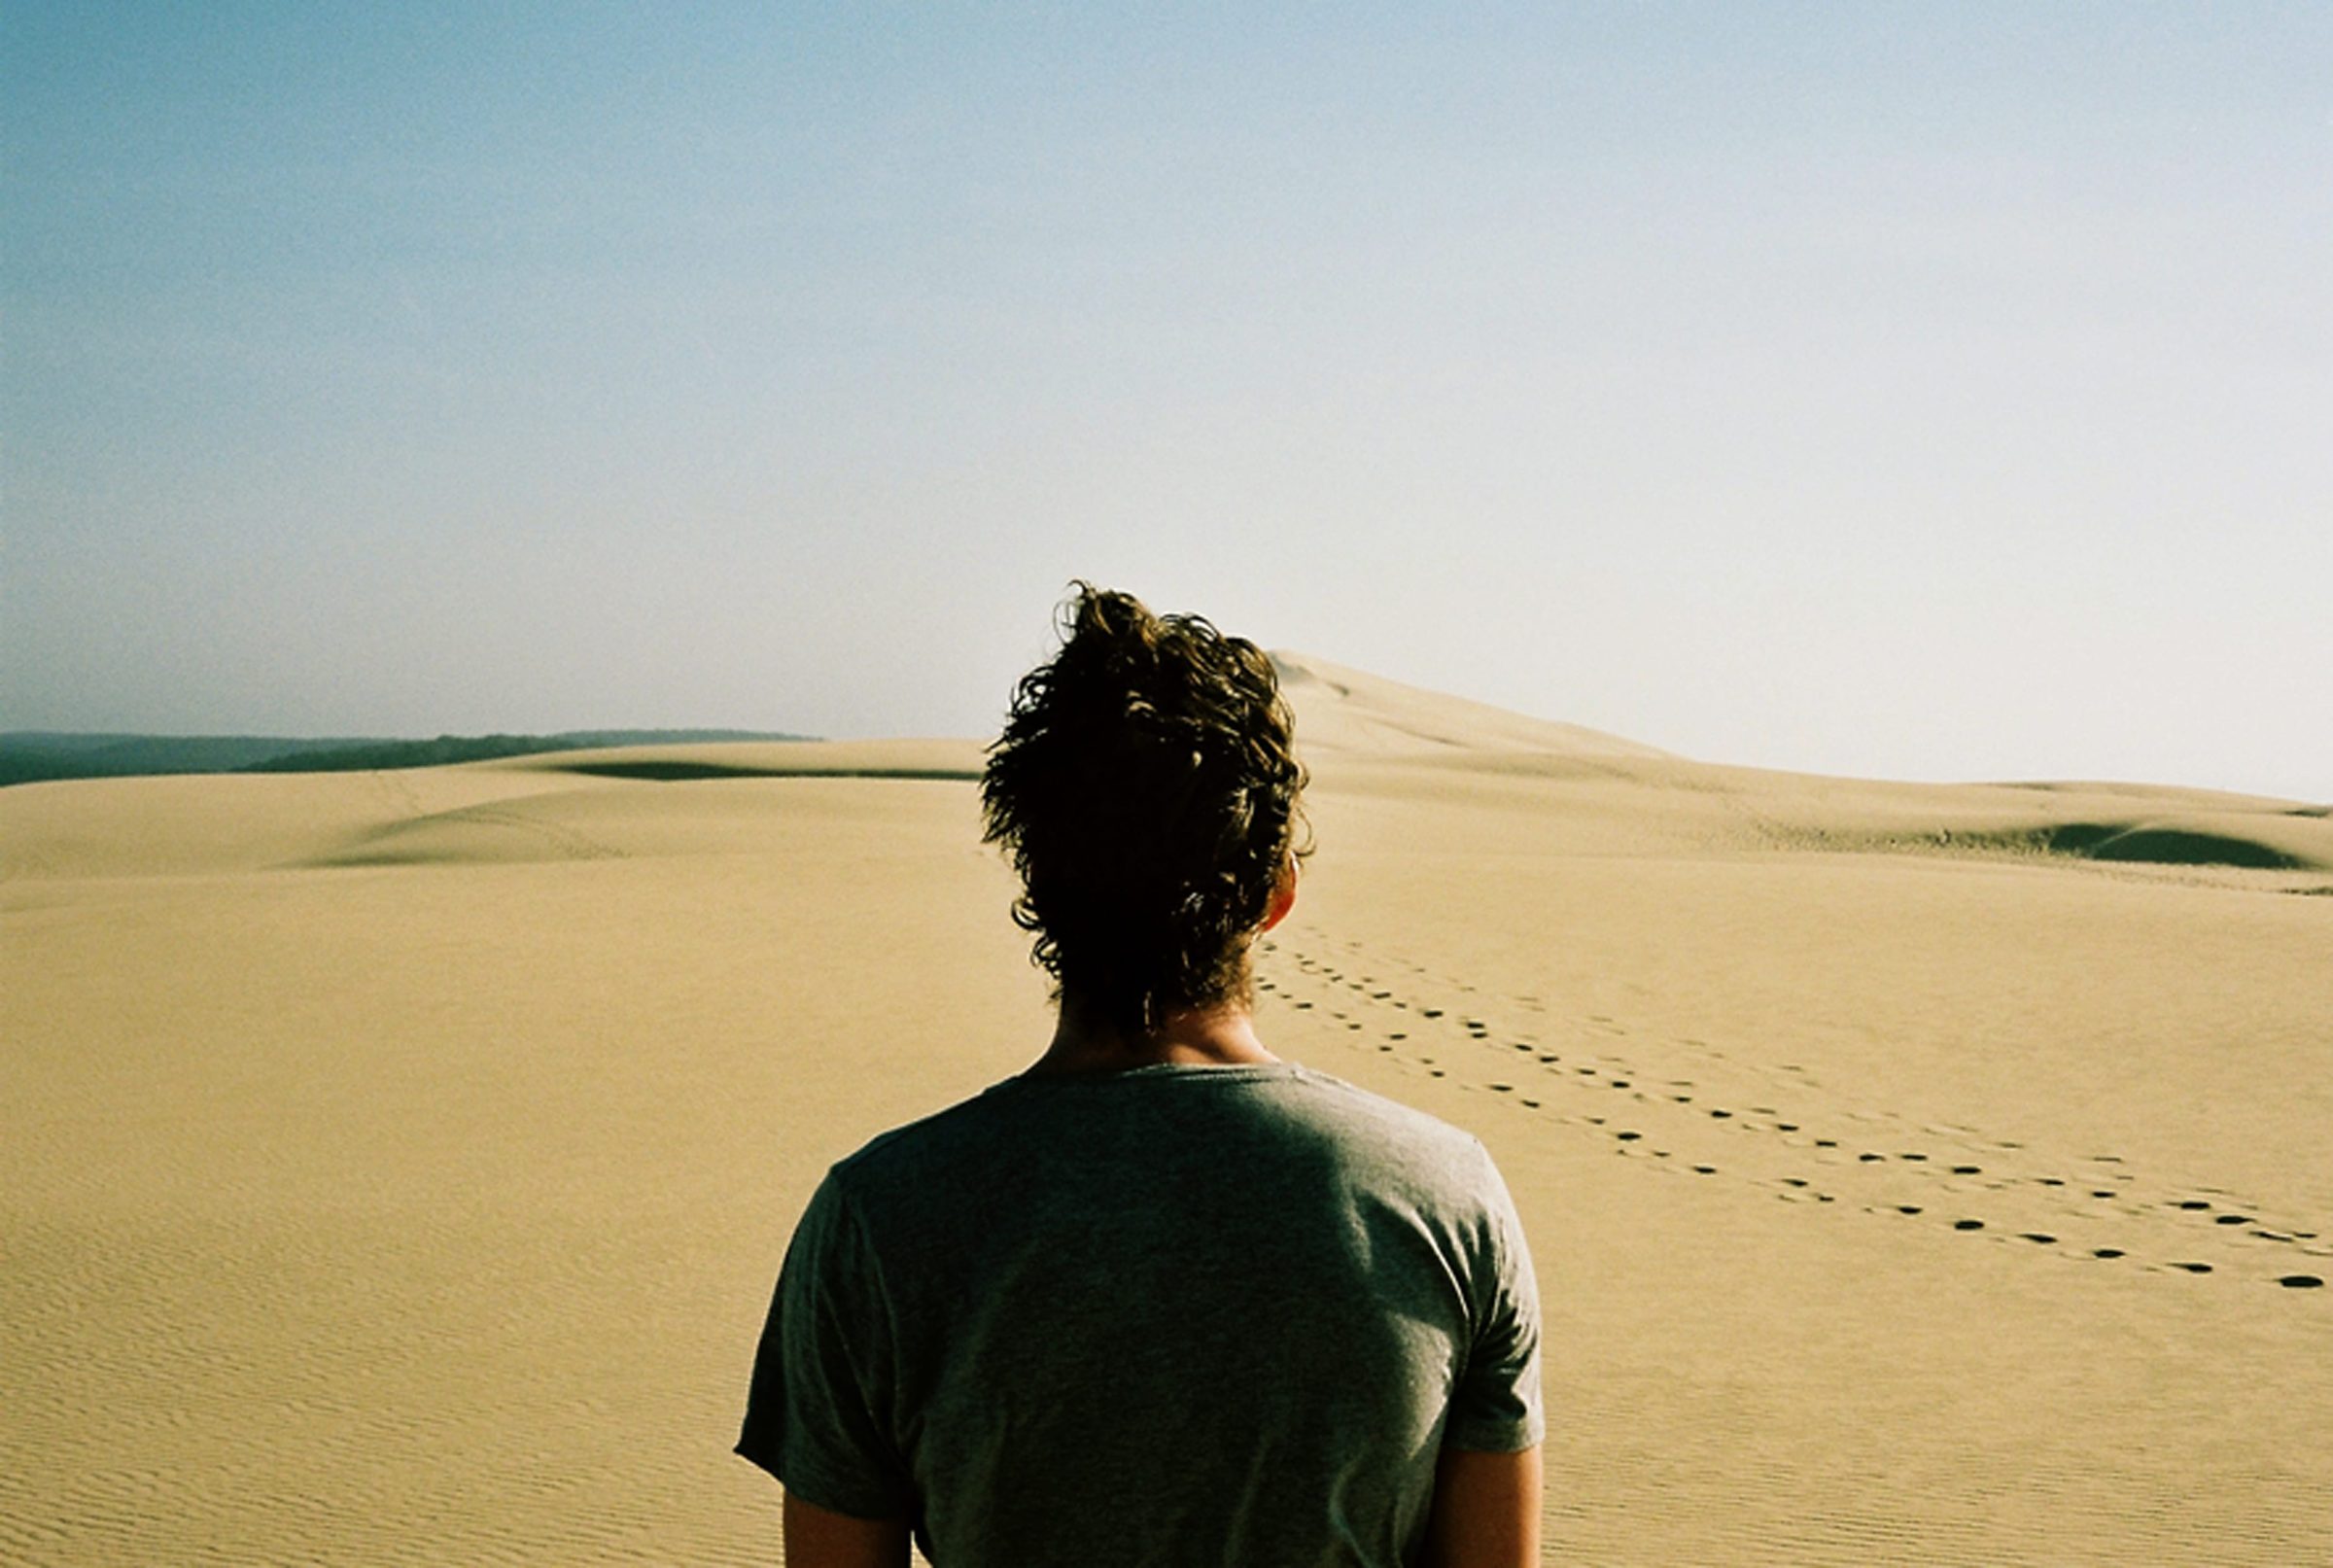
<point>1200,1315</point>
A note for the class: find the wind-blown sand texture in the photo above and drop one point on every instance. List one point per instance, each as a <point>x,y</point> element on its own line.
<point>394,1166</point>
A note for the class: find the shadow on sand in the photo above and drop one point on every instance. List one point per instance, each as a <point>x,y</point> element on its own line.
<point>2162,846</point>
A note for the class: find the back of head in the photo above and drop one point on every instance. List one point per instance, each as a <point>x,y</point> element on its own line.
<point>1146,789</point>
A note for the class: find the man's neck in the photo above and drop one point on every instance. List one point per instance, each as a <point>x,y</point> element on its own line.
<point>1222,1037</point>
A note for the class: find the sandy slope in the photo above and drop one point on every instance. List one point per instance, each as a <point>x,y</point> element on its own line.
<point>393,1167</point>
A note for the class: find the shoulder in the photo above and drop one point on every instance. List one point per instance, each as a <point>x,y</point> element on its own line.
<point>1373,1123</point>
<point>1014,1138</point>
<point>1421,1168</point>
<point>1365,1107</point>
<point>915,1152</point>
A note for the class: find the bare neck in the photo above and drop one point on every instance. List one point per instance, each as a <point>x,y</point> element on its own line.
<point>1222,1037</point>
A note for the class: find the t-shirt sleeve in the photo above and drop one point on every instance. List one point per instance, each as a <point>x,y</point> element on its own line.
<point>815,1417</point>
<point>1496,1406</point>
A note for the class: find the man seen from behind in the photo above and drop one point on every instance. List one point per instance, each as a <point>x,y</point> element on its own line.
<point>1161,1297</point>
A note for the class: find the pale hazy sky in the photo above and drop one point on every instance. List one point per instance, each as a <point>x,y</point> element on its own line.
<point>1937,390</point>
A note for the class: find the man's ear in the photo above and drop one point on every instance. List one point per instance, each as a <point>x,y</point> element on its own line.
<point>1283,895</point>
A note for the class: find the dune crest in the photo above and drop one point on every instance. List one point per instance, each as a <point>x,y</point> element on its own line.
<point>1349,710</point>
<point>1620,796</point>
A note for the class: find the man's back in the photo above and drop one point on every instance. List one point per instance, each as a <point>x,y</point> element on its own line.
<point>1180,1315</point>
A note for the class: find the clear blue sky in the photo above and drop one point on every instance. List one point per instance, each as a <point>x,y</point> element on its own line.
<point>1940,391</point>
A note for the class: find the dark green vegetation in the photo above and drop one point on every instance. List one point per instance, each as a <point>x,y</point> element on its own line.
<point>30,755</point>
<point>655,772</point>
<point>26,755</point>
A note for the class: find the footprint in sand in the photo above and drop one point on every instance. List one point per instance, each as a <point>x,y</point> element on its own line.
<point>1633,1141</point>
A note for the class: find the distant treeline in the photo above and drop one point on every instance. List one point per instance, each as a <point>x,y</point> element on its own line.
<point>28,756</point>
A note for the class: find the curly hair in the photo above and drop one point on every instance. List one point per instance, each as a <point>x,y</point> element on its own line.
<point>1145,788</point>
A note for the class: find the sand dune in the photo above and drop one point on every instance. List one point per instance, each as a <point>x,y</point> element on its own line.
<point>1349,712</point>
<point>393,1167</point>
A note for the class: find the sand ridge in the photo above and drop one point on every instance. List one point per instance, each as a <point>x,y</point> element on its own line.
<point>1346,710</point>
